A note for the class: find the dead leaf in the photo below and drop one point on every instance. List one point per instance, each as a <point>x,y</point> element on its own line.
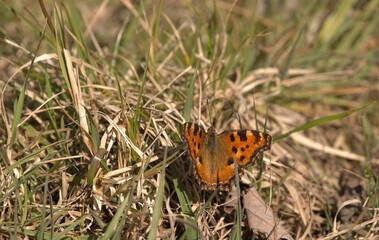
<point>261,218</point>
<point>351,197</point>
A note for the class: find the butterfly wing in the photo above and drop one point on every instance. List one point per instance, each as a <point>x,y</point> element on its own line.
<point>215,170</point>
<point>218,169</point>
<point>207,155</point>
<point>213,155</point>
<point>244,145</point>
<point>193,135</point>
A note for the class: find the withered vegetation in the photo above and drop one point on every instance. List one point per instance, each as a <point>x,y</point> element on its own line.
<point>94,94</point>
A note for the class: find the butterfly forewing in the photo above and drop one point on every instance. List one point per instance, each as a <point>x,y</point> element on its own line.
<point>244,145</point>
<point>194,135</point>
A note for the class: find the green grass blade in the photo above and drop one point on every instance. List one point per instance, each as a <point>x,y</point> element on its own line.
<point>113,225</point>
<point>284,70</point>
<point>158,202</point>
<point>323,120</point>
<point>190,231</point>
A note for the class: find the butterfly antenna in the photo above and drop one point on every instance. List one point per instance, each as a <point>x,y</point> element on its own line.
<point>238,118</point>
<point>236,113</point>
<point>210,114</point>
<point>255,112</point>
<point>266,119</point>
<point>200,97</point>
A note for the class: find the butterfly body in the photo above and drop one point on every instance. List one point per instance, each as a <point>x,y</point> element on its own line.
<point>214,154</point>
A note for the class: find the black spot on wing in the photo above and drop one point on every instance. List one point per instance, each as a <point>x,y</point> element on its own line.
<point>230,161</point>
<point>242,135</point>
<point>189,128</point>
<point>195,129</point>
<point>234,149</point>
<point>200,160</point>
<point>242,149</point>
<point>242,158</point>
<point>232,138</point>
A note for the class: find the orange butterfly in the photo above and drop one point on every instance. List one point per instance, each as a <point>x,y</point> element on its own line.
<point>213,154</point>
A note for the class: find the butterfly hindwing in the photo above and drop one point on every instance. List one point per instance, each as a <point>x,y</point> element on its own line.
<point>211,168</point>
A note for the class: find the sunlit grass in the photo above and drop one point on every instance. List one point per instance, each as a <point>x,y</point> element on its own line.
<point>93,96</point>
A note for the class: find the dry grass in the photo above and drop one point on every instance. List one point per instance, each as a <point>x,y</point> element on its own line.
<point>93,98</point>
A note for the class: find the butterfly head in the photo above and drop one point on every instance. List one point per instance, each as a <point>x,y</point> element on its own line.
<point>211,138</point>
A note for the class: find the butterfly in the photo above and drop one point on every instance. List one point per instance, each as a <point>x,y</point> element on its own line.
<point>213,154</point>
